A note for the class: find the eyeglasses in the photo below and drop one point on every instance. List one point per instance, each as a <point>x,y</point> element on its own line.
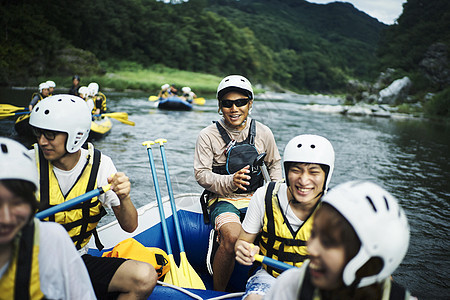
<point>238,102</point>
<point>48,134</point>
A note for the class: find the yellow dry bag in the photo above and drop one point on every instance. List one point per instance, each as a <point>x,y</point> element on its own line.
<point>132,249</point>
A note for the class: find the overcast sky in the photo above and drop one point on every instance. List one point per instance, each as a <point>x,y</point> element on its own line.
<point>386,11</point>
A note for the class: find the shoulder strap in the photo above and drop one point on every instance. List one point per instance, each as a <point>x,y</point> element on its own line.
<point>44,188</point>
<point>25,254</point>
<point>86,206</point>
<point>307,290</point>
<point>250,138</point>
<point>252,132</point>
<point>223,133</point>
<point>270,223</point>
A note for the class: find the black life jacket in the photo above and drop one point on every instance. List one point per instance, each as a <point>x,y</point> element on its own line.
<point>239,155</point>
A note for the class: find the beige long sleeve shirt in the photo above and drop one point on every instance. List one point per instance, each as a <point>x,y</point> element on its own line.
<point>210,151</point>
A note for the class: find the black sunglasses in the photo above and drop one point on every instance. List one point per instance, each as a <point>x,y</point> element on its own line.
<point>48,134</point>
<point>238,102</point>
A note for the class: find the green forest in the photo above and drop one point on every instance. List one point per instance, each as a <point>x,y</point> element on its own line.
<point>290,44</point>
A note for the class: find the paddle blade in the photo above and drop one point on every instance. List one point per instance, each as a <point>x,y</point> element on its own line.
<point>122,115</point>
<point>4,116</point>
<point>8,108</point>
<point>199,101</point>
<point>153,98</point>
<point>175,276</point>
<point>125,121</point>
<point>190,274</point>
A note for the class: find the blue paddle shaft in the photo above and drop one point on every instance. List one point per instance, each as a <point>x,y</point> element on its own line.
<point>159,200</point>
<point>68,204</point>
<point>276,264</point>
<point>172,198</point>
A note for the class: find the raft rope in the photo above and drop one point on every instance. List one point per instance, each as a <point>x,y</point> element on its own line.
<point>231,295</point>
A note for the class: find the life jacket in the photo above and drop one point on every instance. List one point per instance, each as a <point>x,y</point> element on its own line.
<point>21,280</point>
<point>278,240</point>
<point>37,94</point>
<point>239,155</point>
<point>307,291</point>
<point>81,220</point>
<point>132,249</point>
<point>99,102</point>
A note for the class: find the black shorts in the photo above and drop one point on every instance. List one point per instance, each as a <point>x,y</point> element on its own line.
<point>101,270</point>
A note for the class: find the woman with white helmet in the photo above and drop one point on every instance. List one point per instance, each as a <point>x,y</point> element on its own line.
<point>188,94</point>
<point>283,211</point>
<point>61,124</point>
<point>164,92</point>
<point>51,87</point>
<point>225,153</point>
<point>360,236</point>
<point>41,270</point>
<point>36,97</point>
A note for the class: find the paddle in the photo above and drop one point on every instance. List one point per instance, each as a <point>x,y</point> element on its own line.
<point>199,101</point>
<point>6,115</point>
<point>273,262</point>
<point>174,276</point>
<point>72,202</point>
<point>119,116</point>
<point>8,108</point>
<point>153,98</point>
<point>188,271</point>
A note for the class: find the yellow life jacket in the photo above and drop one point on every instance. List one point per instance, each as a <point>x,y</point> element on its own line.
<point>40,96</point>
<point>21,280</point>
<point>81,220</point>
<point>278,240</point>
<point>132,249</point>
<point>99,102</point>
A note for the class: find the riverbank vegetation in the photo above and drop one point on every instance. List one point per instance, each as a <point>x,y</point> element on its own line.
<point>280,44</point>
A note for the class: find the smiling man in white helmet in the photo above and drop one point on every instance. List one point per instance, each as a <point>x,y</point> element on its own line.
<point>24,238</point>
<point>359,237</point>
<point>224,156</point>
<point>61,124</point>
<point>283,211</point>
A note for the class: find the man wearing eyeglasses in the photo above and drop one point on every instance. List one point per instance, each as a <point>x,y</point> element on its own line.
<point>223,164</point>
<point>61,124</point>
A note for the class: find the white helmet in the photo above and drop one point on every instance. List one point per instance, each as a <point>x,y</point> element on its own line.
<point>43,85</point>
<point>51,84</point>
<point>65,113</point>
<point>186,90</point>
<point>234,82</point>
<point>83,90</point>
<point>379,222</point>
<point>310,148</point>
<point>93,88</point>
<point>16,163</point>
<point>165,86</point>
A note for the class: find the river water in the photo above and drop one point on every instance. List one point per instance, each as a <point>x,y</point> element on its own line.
<point>408,157</point>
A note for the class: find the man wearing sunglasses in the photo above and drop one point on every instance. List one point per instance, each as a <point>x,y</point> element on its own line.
<point>61,124</point>
<point>224,155</point>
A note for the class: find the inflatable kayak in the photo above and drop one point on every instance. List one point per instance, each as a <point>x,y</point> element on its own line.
<point>174,103</point>
<point>100,127</point>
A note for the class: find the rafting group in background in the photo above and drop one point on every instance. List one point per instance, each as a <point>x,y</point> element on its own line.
<point>344,242</point>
